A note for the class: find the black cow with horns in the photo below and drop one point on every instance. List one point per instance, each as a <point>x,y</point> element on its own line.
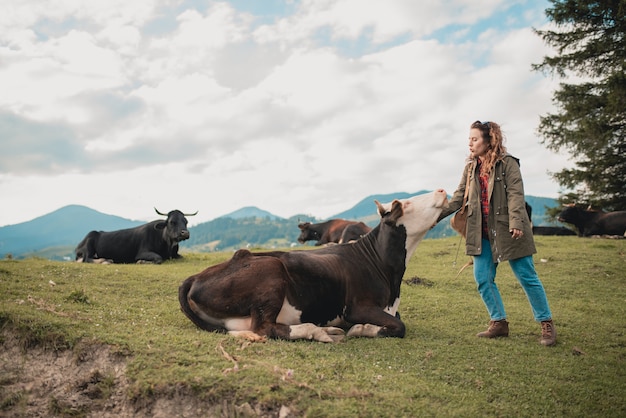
<point>149,243</point>
<point>593,222</point>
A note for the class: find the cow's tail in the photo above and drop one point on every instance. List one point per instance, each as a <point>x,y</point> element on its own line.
<point>183,292</point>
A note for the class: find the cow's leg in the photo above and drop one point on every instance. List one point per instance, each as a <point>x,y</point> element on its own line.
<point>148,257</point>
<point>264,314</point>
<point>310,331</point>
<point>269,303</point>
<point>374,322</point>
<point>174,252</point>
<point>364,330</point>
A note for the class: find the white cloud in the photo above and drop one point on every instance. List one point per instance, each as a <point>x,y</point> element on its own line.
<point>161,103</point>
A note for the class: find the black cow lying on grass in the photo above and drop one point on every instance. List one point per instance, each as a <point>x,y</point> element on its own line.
<point>149,243</point>
<point>592,222</point>
<point>315,294</point>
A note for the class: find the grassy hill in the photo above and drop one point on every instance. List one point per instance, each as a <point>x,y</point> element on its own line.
<point>109,340</point>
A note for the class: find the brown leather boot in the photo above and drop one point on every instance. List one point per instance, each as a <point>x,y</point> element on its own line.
<point>548,333</point>
<point>496,329</point>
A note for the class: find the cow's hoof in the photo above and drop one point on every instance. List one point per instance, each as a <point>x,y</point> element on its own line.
<point>332,334</point>
<point>334,331</point>
<point>320,334</point>
<point>308,331</point>
<point>364,330</point>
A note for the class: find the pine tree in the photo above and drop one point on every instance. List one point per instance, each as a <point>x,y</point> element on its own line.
<point>590,122</point>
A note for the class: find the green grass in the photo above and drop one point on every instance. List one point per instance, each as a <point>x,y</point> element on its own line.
<point>439,369</point>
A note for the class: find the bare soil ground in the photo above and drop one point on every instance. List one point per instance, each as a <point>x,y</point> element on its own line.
<point>90,381</point>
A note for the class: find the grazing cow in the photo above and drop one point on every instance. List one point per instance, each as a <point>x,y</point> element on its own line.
<point>149,243</point>
<point>315,294</point>
<point>590,222</point>
<point>336,231</point>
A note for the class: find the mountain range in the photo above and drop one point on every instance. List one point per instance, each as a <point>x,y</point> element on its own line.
<point>56,234</point>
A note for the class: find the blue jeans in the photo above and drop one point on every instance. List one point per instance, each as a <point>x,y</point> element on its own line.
<point>524,270</point>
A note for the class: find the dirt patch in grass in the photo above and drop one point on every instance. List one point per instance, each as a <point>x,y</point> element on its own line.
<point>419,281</point>
<point>90,381</point>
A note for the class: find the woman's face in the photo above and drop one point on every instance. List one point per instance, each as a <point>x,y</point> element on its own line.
<point>477,145</point>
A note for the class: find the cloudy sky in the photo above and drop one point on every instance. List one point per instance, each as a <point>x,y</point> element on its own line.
<point>293,106</point>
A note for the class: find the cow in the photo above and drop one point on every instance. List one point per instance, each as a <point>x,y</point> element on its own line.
<point>591,222</point>
<point>149,243</point>
<point>336,231</point>
<point>315,294</point>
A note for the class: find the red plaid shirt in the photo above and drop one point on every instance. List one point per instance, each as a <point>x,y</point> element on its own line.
<point>483,179</point>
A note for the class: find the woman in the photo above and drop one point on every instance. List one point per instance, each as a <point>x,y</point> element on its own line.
<point>498,228</point>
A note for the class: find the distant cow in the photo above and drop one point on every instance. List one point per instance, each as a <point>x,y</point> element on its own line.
<point>333,231</point>
<point>590,222</point>
<point>150,243</point>
<point>315,294</point>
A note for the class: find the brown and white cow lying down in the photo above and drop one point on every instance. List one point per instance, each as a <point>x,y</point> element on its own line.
<point>316,294</point>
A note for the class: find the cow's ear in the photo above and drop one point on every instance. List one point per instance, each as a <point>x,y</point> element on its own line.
<point>396,210</point>
<point>160,225</point>
<point>381,209</point>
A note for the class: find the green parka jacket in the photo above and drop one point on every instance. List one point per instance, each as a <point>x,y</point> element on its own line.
<point>507,210</point>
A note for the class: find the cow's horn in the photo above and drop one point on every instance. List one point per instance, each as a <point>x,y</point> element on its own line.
<point>184,214</point>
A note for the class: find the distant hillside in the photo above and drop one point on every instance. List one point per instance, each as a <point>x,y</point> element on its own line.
<point>63,227</point>
<point>250,212</point>
<point>56,234</point>
<point>366,208</point>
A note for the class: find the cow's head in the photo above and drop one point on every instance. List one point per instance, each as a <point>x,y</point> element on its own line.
<point>175,226</point>
<point>571,214</point>
<point>308,233</point>
<point>418,214</point>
